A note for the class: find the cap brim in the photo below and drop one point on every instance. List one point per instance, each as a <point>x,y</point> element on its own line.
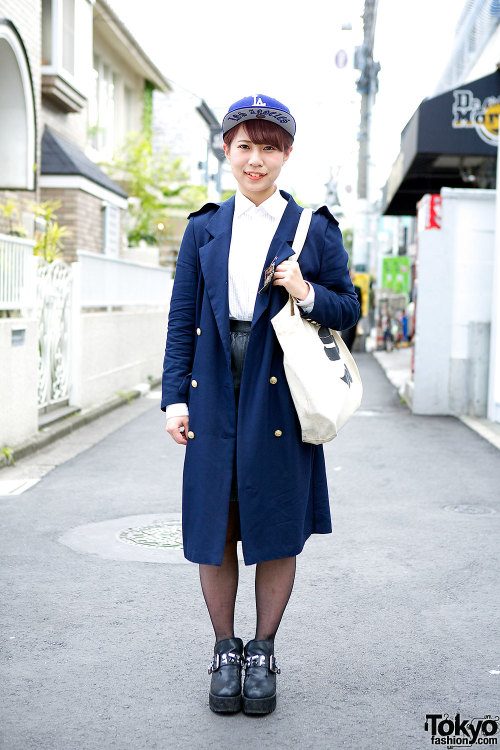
<point>267,114</point>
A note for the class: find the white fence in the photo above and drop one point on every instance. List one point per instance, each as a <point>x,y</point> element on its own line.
<point>114,282</point>
<point>17,273</point>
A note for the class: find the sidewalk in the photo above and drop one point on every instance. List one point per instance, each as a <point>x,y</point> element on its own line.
<point>106,635</point>
<point>397,367</point>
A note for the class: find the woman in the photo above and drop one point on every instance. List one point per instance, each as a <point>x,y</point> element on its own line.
<point>247,474</point>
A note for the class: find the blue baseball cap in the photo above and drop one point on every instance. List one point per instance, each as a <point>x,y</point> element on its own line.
<point>259,107</point>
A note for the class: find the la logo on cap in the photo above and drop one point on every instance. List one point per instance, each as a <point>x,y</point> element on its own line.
<point>257,102</point>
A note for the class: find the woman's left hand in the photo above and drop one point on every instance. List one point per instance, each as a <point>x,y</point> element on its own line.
<point>289,275</point>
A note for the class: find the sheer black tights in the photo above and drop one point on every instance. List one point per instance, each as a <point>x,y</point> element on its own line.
<point>273,585</point>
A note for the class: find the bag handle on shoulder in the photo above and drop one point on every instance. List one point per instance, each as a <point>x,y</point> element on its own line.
<point>301,232</point>
<point>298,244</point>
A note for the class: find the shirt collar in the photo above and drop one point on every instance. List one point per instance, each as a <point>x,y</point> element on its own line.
<point>273,206</point>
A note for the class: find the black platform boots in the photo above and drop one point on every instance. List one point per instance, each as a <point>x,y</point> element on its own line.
<point>225,668</point>
<point>259,688</point>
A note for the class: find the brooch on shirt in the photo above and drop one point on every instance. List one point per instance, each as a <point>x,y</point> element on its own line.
<point>268,275</point>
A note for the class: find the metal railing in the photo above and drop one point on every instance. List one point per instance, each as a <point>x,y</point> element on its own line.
<point>17,273</point>
<point>113,282</point>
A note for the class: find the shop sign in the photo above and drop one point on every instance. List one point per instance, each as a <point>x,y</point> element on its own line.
<point>470,112</point>
<point>396,274</point>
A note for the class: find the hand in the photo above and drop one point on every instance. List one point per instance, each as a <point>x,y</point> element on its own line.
<point>178,428</point>
<point>289,275</point>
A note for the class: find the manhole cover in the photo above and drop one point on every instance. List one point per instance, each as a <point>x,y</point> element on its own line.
<point>163,534</point>
<point>471,510</point>
<point>149,537</point>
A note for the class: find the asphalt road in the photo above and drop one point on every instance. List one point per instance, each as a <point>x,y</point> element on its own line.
<point>394,616</point>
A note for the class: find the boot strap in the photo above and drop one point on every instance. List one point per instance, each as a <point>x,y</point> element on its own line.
<point>261,660</point>
<point>222,660</point>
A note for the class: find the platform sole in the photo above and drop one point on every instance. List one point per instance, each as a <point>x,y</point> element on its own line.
<point>224,704</point>
<point>259,705</point>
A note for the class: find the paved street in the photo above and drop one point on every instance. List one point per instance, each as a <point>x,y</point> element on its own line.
<point>394,616</point>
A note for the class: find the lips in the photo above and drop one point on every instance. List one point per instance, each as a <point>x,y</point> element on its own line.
<point>255,175</point>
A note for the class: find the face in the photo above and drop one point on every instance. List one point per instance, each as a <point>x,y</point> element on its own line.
<point>255,166</point>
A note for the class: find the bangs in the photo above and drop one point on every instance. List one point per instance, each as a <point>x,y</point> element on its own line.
<point>263,132</point>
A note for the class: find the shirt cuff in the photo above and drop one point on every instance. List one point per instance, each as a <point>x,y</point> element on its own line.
<point>307,304</point>
<point>177,410</point>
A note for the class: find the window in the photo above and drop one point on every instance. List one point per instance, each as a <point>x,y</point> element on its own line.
<point>102,108</point>
<point>128,96</point>
<point>111,229</point>
<point>64,76</point>
<point>68,36</point>
<point>46,32</point>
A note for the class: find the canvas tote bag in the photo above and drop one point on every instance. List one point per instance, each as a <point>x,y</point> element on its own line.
<point>322,376</point>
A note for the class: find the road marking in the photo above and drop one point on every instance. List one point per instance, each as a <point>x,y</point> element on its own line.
<point>15,486</point>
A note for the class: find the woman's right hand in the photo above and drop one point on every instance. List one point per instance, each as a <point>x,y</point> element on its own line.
<point>178,428</point>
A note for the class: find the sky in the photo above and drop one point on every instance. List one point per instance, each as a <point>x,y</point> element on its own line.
<point>224,51</point>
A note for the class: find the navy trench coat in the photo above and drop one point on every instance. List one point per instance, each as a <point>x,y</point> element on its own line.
<point>282,488</point>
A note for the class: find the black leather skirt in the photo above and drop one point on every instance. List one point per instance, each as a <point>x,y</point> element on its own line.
<point>240,332</point>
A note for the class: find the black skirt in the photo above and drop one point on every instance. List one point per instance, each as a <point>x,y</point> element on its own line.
<point>240,332</point>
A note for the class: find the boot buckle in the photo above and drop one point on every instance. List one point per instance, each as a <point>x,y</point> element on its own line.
<point>221,660</point>
<point>214,664</point>
<point>273,666</point>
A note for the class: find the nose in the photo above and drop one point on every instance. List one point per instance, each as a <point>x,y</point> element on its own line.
<point>255,157</point>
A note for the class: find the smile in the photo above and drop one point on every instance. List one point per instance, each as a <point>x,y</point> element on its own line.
<point>255,175</point>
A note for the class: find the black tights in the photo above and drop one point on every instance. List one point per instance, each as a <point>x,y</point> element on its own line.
<point>273,586</point>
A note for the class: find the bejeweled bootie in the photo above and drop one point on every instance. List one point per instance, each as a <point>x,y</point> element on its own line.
<point>259,687</point>
<point>225,668</point>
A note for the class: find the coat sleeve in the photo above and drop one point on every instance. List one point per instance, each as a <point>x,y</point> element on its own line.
<point>335,302</point>
<point>179,349</point>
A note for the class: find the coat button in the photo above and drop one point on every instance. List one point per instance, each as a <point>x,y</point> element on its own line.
<point>194,383</point>
<point>278,433</point>
<point>198,331</point>
<point>191,434</point>
<point>273,380</point>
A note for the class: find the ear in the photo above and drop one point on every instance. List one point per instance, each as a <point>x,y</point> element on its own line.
<point>226,151</point>
<point>287,154</point>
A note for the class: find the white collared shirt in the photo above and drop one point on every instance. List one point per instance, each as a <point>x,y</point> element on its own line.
<point>252,232</point>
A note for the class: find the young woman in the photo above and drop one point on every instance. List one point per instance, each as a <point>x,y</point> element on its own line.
<point>247,474</point>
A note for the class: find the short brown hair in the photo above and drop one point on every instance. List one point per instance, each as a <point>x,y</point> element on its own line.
<point>262,132</point>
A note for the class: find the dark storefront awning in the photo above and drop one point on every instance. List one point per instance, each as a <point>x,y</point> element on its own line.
<point>451,141</point>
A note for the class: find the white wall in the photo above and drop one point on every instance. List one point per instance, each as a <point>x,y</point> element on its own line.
<point>454,306</point>
<point>494,377</point>
<point>18,381</point>
<point>118,351</point>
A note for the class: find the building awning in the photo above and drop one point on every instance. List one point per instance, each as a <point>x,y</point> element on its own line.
<point>451,141</point>
<point>62,157</point>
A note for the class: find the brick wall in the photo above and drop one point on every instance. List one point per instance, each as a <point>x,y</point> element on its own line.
<point>81,213</point>
<point>23,200</point>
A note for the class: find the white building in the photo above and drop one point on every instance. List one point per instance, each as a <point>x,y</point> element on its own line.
<point>449,153</point>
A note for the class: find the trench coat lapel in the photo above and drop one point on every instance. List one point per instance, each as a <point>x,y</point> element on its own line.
<point>214,263</point>
<point>281,249</point>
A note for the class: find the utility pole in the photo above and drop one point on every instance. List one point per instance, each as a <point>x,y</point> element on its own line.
<point>367,86</point>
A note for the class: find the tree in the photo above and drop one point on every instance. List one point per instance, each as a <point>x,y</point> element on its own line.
<point>157,184</point>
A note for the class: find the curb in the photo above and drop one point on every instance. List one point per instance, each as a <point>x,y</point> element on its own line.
<point>69,424</point>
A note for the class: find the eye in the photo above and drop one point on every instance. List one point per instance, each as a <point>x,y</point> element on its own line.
<point>243,145</point>
<point>269,148</point>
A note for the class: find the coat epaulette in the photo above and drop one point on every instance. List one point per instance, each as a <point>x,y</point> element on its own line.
<point>204,209</point>
<point>324,210</point>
